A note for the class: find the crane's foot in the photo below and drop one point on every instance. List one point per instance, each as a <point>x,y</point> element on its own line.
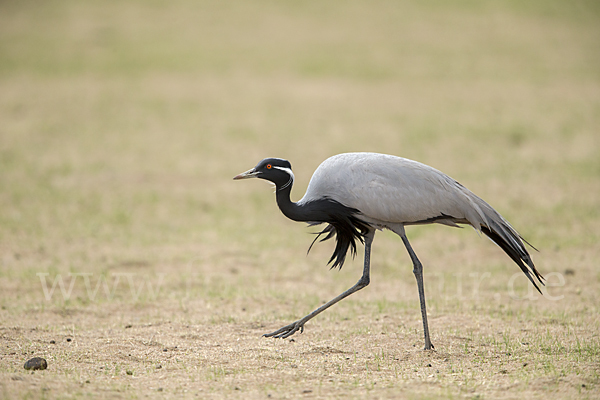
<point>428,345</point>
<point>287,330</point>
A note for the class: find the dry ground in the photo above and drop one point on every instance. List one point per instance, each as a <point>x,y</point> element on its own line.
<point>132,262</point>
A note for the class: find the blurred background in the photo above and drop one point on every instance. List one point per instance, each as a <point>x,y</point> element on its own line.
<point>123,122</point>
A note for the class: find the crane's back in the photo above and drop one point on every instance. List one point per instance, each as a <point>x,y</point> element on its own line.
<point>392,189</point>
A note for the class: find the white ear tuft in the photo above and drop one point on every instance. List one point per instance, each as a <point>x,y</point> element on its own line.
<point>289,172</point>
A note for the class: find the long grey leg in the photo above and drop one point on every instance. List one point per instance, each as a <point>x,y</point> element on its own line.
<point>418,271</point>
<point>364,280</point>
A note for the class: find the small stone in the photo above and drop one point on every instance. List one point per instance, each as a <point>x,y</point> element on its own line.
<point>53,342</point>
<point>69,339</point>
<point>36,363</point>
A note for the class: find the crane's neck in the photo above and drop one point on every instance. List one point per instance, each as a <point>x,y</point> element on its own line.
<point>293,211</point>
<point>342,221</point>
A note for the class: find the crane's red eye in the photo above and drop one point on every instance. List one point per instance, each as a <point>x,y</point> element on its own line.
<point>269,166</point>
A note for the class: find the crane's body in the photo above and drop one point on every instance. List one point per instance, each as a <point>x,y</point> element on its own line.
<point>358,193</point>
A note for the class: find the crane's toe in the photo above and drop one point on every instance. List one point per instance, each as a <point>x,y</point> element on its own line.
<point>287,330</point>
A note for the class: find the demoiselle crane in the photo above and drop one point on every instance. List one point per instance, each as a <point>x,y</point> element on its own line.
<point>356,194</point>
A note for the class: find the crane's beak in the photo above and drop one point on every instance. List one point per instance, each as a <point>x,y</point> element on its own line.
<point>251,173</point>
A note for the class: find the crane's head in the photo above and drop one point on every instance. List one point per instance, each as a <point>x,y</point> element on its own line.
<point>276,170</point>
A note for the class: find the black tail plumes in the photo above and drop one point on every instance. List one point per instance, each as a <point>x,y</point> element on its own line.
<point>517,252</point>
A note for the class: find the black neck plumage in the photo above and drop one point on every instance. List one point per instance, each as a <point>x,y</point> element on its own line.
<point>342,221</point>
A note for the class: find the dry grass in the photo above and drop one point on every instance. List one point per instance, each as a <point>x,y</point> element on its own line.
<point>122,124</point>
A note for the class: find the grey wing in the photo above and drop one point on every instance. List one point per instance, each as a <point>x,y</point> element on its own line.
<point>394,189</point>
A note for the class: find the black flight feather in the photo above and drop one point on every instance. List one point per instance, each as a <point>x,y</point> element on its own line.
<point>519,256</point>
